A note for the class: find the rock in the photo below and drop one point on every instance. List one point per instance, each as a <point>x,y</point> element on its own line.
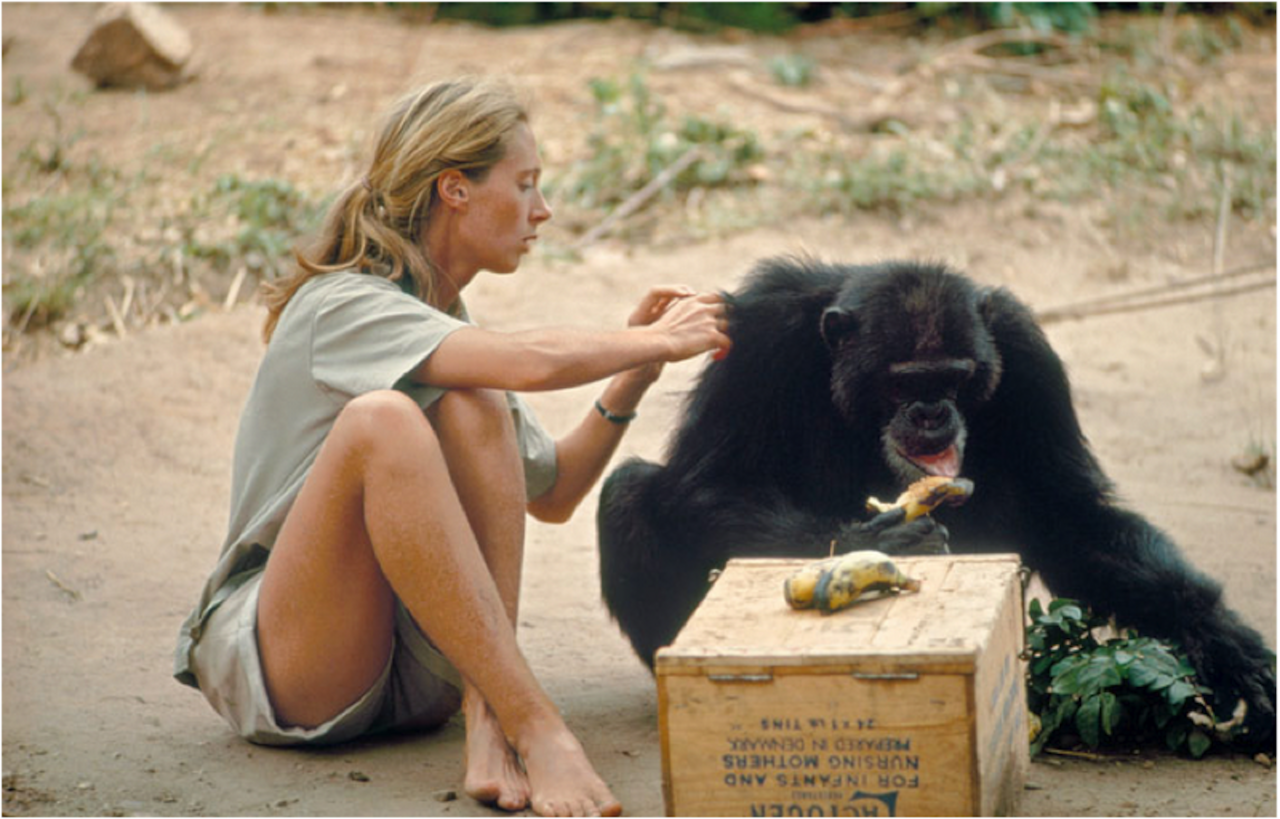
<point>71,335</point>
<point>134,45</point>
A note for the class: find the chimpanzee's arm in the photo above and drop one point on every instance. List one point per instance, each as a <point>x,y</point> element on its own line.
<point>659,541</point>
<point>1085,546</point>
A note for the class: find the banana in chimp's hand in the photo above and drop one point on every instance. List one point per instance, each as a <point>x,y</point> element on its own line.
<point>925,495</point>
<point>839,582</point>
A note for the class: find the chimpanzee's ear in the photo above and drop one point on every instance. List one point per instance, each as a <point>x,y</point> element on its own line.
<point>837,324</point>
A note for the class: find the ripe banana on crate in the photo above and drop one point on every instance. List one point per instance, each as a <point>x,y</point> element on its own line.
<point>839,582</point>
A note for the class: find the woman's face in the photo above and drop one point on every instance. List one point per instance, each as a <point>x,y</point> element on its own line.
<point>504,211</point>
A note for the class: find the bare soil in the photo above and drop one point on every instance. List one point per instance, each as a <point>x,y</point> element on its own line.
<point>116,458</point>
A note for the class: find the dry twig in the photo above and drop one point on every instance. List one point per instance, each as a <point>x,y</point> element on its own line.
<point>966,53</point>
<point>1075,754</point>
<point>117,320</point>
<point>640,197</point>
<point>234,292</point>
<point>1152,297</point>
<point>63,587</point>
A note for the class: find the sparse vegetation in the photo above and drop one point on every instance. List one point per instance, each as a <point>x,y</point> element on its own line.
<point>67,229</point>
<point>633,138</point>
<point>1123,126</point>
<point>265,218</point>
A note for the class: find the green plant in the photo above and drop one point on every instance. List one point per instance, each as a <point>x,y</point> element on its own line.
<point>64,234</point>
<point>633,140</point>
<point>1145,136</point>
<point>18,93</point>
<point>1126,688</point>
<point>268,216</point>
<point>796,70</point>
<point>1070,18</point>
<point>1206,43</point>
<point>899,175</point>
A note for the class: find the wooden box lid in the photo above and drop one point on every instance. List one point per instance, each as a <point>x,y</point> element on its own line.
<point>745,623</point>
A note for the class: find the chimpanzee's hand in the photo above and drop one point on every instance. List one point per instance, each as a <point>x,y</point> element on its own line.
<point>1231,659</point>
<point>887,533</point>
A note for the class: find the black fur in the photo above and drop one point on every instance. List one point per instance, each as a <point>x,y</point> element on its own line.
<point>783,441</point>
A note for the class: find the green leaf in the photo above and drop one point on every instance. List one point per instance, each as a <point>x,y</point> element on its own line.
<point>1179,692</point>
<point>1042,665</point>
<point>1111,712</point>
<point>1066,674</point>
<point>1088,719</point>
<point>1198,742</point>
<point>1176,734</point>
<point>1085,674</point>
<point>1059,603</point>
<point>1155,669</point>
<point>1071,612</point>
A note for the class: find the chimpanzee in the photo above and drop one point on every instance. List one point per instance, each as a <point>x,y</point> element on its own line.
<point>846,382</point>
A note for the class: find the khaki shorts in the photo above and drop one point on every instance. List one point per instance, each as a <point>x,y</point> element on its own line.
<point>418,689</point>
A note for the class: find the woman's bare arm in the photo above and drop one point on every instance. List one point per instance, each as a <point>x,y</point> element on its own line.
<point>583,455</point>
<point>556,358</point>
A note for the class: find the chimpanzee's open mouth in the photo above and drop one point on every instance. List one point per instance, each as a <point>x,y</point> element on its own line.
<point>945,464</point>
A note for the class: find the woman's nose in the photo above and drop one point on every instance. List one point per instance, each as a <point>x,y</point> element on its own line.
<point>541,209</point>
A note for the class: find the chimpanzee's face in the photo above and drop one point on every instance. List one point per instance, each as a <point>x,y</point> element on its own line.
<point>915,356</point>
<point>925,432</point>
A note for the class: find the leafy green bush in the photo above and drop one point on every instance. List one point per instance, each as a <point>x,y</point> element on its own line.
<point>1128,688</point>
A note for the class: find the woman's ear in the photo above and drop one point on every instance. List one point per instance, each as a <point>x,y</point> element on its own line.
<point>453,188</point>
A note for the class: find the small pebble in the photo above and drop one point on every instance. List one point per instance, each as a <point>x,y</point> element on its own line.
<point>446,795</point>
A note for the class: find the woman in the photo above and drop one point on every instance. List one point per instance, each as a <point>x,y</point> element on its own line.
<point>383,466</point>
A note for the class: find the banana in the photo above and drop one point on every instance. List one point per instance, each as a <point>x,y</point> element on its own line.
<point>838,582</point>
<point>925,495</point>
<point>799,587</point>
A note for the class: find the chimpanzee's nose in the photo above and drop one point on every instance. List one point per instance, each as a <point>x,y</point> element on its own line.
<point>928,414</point>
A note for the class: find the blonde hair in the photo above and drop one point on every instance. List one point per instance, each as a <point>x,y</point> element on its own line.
<point>376,224</point>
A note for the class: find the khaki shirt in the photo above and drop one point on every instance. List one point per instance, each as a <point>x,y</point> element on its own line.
<point>341,335</point>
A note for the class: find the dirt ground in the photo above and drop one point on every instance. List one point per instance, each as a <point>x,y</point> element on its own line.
<point>116,459</point>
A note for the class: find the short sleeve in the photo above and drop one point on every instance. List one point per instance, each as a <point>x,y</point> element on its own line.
<point>368,334</point>
<point>537,448</point>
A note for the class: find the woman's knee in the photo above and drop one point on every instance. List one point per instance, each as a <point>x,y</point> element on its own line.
<point>385,420</point>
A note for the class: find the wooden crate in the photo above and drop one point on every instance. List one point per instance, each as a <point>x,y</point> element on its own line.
<point>907,705</point>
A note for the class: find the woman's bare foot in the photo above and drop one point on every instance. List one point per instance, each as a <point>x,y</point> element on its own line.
<point>494,775</point>
<point>562,780</point>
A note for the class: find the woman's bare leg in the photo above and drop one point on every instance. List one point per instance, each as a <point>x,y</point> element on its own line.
<point>479,446</point>
<point>379,517</point>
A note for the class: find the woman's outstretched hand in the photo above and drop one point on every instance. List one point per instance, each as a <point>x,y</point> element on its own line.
<point>691,322</point>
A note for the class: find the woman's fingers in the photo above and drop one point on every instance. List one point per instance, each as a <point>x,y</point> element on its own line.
<point>657,301</point>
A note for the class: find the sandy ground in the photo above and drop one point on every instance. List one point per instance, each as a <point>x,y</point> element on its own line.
<point>116,467</point>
